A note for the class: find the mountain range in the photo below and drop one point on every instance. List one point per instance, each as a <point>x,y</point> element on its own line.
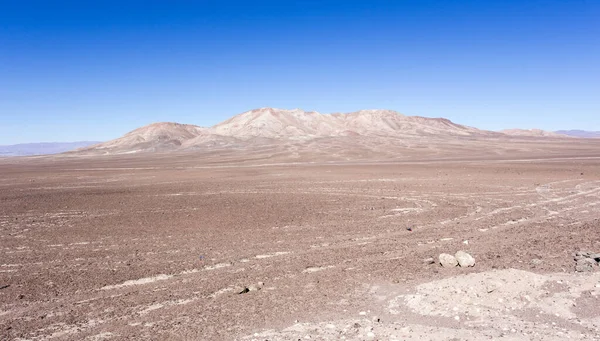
<point>25,149</point>
<point>266,126</point>
<point>294,126</point>
<point>580,133</point>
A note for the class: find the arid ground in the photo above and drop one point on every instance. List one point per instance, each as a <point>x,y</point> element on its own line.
<point>159,247</point>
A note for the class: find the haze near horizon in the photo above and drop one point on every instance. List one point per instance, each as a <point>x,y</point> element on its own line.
<point>78,71</point>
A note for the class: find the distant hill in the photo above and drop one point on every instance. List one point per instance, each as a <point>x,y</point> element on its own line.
<point>43,148</point>
<point>153,137</point>
<point>531,133</point>
<point>580,133</point>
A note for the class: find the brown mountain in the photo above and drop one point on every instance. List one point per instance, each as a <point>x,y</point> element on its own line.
<point>268,125</point>
<point>153,137</point>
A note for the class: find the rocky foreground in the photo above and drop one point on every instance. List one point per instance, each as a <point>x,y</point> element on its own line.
<point>499,304</point>
<point>239,247</point>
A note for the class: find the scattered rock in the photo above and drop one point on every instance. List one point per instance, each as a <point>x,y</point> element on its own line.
<point>429,260</point>
<point>582,253</point>
<point>448,261</point>
<point>464,259</point>
<point>585,265</point>
<point>586,261</point>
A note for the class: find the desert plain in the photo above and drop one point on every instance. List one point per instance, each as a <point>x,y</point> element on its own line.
<point>299,242</point>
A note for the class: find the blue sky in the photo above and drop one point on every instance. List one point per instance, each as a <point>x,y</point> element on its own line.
<point>93,70</point>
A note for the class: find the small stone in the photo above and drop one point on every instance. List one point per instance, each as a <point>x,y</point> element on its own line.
<point>261,284</point>
<point>362,313</point>
<point>429,260</point>
<point>536,261</point>
<point>371,334</point>
<point>243,290</point>
<point>466,242</point>
<point>464,259</point>
<point>448,261</point>
<point>595,256</point>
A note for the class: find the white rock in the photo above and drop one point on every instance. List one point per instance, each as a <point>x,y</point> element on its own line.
<point>448,261</point>
<point>464,259</point>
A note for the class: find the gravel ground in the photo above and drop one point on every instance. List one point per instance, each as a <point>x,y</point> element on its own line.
<point>159,247</point>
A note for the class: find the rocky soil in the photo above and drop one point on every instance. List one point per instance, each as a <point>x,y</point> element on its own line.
<point>230,246</point>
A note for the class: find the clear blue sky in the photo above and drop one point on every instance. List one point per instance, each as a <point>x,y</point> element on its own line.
<point>93,70</point>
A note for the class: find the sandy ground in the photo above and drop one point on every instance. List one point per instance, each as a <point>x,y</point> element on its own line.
<point>158,247</point>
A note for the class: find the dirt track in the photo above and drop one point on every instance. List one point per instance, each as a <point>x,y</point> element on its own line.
<point>158,247</point>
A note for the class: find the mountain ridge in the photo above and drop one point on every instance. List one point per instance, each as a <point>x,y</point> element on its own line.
<point>532,133</point>
<point>579,133</point>
<point>42,148</point>
<point>295,125</point>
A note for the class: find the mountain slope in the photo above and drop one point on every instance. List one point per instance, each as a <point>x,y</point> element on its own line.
<point>277,123</point>
<point>387,122</point>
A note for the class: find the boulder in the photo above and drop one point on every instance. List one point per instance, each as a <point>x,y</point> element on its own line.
<point>254,288</point>
<point>464,259</point>
<point>585,265</point>
<point>448,261</point>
